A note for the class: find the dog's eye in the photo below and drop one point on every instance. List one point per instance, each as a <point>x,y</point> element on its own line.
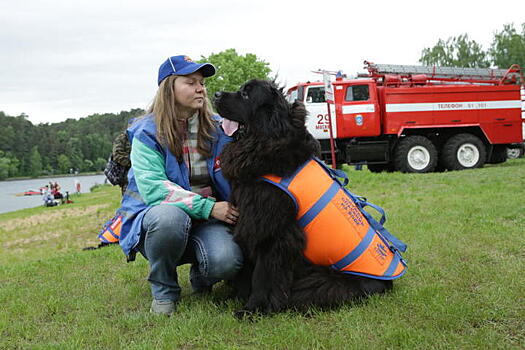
<point>244,95</point>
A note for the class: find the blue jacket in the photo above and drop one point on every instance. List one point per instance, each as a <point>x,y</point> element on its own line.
<point>133,206</point>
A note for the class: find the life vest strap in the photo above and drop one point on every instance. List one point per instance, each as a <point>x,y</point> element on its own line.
<point>395,243</point>
<point>393,265</point>
<point>285,189</point>
<point>319,205</point>
<point>357,251</point>
<point>335,174</point>
<point>286,181</point>
<point>385,278</point>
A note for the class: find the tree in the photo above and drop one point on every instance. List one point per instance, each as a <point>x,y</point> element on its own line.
<point>7,136</point>
<point>74,153</point>
<point>233,70</point>
<point>4,168</point>
<point>8,165</point>
<point>455,52</point>
<point>87,165</point>
<point>14,163</point>
<point>508,47</point>
<point>35,162</point>
<point>64,164</point>
<point>100,164</point>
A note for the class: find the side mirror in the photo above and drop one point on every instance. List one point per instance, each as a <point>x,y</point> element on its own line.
<point>309,99</point>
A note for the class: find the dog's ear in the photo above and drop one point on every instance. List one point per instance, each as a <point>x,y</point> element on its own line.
<point>270,121</point>
<point>298,114</point>
<point>276,88</point>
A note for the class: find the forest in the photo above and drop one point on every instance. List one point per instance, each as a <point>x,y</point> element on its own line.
<point>81,145</point>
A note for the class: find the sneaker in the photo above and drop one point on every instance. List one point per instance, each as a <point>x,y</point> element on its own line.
<point>162,307</point>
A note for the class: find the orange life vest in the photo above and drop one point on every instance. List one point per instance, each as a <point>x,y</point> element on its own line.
<point>110,233</point>
<point>339,232</point>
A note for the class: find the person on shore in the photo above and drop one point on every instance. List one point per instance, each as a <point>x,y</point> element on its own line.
<point>77,186</point>
<point>174,210</point>
<point>55,190</point>
<point>48,197</point>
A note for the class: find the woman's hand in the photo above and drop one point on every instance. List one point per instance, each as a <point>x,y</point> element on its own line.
<point>224,211</point>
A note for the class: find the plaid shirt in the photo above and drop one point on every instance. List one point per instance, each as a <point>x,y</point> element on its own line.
<point>199,178</point>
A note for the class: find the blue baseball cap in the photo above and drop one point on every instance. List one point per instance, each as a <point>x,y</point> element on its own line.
<point>183,65</point>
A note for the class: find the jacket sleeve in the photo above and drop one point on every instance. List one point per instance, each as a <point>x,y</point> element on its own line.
<point>155,187</point>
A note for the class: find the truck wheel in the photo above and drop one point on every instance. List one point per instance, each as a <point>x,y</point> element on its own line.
<point>464,151</point>
<point>514,153</point>
<point>415,154</point>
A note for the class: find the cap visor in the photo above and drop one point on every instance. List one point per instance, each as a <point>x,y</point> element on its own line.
<point>207,70</point>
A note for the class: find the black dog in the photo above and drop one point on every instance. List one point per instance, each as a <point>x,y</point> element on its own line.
<point>272,139</point>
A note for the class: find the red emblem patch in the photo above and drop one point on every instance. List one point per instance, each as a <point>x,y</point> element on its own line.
<point>217,164</point>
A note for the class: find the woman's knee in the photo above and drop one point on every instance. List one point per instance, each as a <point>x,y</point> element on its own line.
<point>166,224</point>
<point>223,261</point>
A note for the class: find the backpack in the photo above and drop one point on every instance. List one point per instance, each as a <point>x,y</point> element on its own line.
<point>119,161</point>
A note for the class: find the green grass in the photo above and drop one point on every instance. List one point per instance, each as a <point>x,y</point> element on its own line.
<point>465,287</point>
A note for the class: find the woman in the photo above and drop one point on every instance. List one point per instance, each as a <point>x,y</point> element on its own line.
<point>170,214</point>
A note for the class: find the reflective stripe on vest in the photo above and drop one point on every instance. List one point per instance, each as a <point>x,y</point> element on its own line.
<point>337,232</point>
<point>111,231</point>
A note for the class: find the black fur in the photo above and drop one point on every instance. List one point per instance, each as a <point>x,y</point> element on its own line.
<point>274,140</point>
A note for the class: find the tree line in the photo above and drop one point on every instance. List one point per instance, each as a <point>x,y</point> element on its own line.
<point>507,48</point>
<point>48,149</point>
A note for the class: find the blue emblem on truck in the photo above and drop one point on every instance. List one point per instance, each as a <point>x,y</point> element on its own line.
<point>359,119</point>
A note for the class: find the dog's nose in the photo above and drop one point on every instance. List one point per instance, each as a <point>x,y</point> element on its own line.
<point>218,94</point>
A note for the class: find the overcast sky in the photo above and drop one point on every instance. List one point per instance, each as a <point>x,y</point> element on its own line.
<point>70,59</point>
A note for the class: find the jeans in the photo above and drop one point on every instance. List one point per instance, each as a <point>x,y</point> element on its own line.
<point>169,238</point>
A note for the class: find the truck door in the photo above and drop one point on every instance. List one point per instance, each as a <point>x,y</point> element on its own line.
<point>317,121</point>
<point>358,115</point>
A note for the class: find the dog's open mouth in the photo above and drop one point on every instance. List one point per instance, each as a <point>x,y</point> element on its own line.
<point>229,126</point>
<point>232,128</point>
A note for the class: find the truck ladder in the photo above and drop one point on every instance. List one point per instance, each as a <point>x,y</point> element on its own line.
<point>475,75</point>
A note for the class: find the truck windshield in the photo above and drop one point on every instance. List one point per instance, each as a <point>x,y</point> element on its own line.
<point>300,93</point>
<point>315,94</point>
<point>292,96</point>
<point>357,93</point>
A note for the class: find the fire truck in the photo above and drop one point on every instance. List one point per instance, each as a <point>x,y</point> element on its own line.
<point>416,118</point>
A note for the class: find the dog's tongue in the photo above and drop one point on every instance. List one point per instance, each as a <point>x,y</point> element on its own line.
<point>229,126</point>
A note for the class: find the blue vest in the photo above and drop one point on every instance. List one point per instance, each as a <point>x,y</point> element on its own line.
<point>133,207</point>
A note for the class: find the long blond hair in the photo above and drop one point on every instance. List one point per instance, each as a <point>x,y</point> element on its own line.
<point>165,109</point>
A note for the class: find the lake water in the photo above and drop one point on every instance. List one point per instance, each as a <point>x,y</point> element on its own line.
<point>9,201</point>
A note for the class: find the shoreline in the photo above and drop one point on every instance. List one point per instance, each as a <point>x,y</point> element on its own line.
<point>51,176</point>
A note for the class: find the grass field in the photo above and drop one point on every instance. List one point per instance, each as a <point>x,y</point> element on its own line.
<point>465,287</point>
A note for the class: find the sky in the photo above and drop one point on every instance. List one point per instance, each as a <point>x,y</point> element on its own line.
<point>71,59</point>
